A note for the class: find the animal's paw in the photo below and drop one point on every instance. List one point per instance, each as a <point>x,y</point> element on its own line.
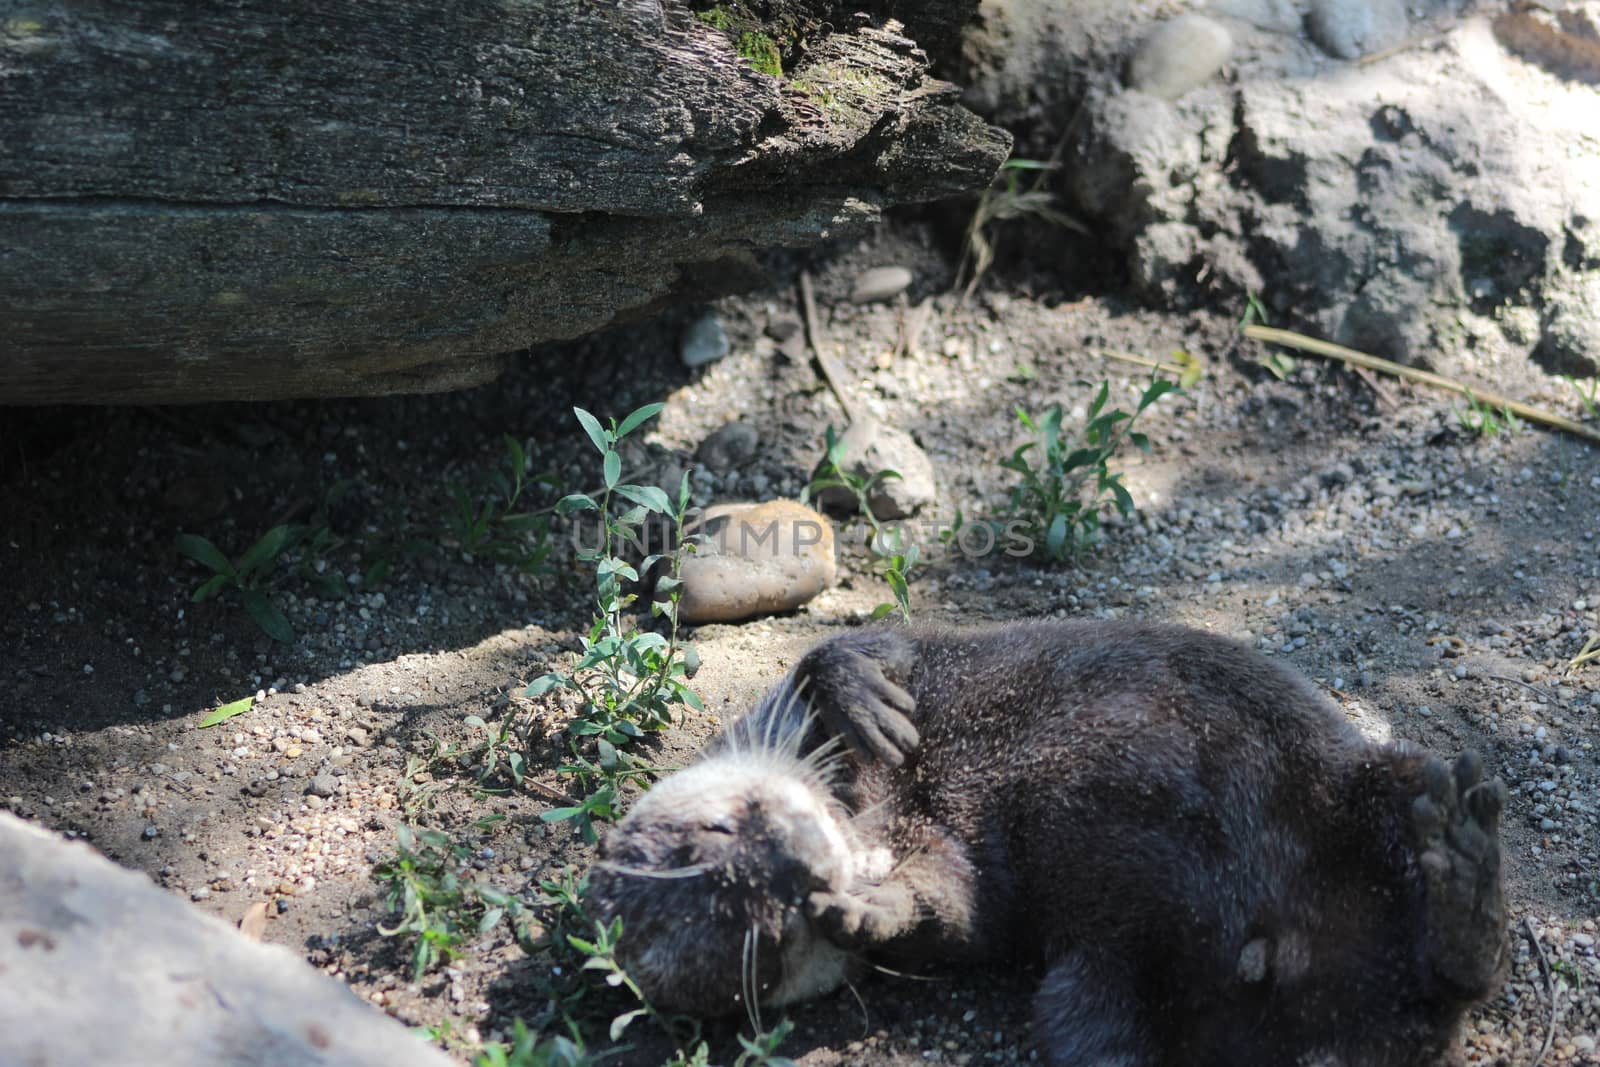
<point>1456,820</point>
<point>857,920</point>
<point>854,685</point>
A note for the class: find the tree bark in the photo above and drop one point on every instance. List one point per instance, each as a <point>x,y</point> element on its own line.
<point>250,199</point>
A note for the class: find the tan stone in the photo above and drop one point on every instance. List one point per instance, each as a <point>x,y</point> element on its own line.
<point>756,559</point>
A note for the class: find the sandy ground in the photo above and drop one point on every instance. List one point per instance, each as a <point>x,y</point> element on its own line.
<point>1435,581</point>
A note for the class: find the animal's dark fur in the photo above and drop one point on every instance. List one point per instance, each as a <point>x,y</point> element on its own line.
<point>1209,865</point>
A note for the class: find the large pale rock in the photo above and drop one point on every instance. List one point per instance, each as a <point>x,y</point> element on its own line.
<point>756,559</point>
<point>1434,204</point>
<point>98,966</point>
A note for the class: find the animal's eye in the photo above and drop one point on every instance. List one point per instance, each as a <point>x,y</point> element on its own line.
<point>721,826</point>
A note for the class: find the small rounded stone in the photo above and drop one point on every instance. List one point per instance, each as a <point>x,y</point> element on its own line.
<point>1179,55</point>
<point>880,284</point>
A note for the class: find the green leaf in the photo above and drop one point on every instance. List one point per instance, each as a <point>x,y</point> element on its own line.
<point>516,454</point>
<point>1055,537</point>
<point>647,495</point>
<point>636,417</point>
<point>591,426</point>
<point>613,565</point>
<point>272,621</point>
<point>377,573</point>
<point>1099,400</point>
<point>204,552</point>
<point>227,711</point>
<point>1083,457</point>
<point>474,720</point>
<point>645,641</point>
<point>576,502</point>
<point>1140,441</point>
<point>266,549</point>
<point>882,611</point>
<point>1102,423</point>
<point>1155,391</point>
<point>211,587</point>
<point>613,468</point>
<point>1124,498</point>
<point>543,684</point>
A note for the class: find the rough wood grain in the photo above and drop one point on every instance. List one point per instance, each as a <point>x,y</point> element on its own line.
<point>248,199</point>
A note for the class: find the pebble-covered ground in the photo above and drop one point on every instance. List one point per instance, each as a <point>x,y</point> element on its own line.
<point>1435,581</point>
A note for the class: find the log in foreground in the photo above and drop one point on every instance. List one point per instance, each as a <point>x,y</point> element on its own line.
<point>103,967</point>
<point>256,200</point>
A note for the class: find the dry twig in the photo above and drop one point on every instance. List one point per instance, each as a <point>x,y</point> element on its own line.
<point>1550,984</point>
<point>831,371</point>
<point>1290,339</point>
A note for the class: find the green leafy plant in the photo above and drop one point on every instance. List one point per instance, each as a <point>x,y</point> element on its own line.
<point>488,525</point>
<point>1279,364</point>
<point>1588,395</point>
<point>601,780</point>
<point>436,907</point>
<point>528,1050</point>
<point>1065,478</point>
<point>248,576</point>
<point>894,552</point>
<point>1483,420</point>
<point>761,1050</point>
<point>630,681</point>
<point>1008,198</point>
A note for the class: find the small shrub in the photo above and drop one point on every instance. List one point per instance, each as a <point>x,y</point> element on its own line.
<point>630,681</point>
<point>437,908</point>
<point>250,576</point>
<point>1483,420</point>
<point>488,525</point>
<point>895,554</point>
<point>1065,479</point>
<point>528,1050</point>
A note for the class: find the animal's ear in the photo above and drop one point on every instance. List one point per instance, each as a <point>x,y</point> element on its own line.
<point>855,687</point>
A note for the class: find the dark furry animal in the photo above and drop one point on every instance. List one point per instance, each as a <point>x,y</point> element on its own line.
<point>1207,863</point>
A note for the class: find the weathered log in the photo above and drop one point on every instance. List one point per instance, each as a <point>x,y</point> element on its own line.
<point>101,966</point>
<point>270,198</point>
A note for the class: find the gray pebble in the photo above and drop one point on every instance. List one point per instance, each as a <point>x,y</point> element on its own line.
<point>705,341</point>
<point>323,785</point>
<point>729,447</point>
<point>879,284</point>
<point>1350,29</point>
<point>783,327</point>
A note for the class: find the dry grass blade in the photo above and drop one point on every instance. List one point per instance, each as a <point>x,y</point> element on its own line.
<point>832,373</point>
<point>1589,651</point>
<point>1302,343</point>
